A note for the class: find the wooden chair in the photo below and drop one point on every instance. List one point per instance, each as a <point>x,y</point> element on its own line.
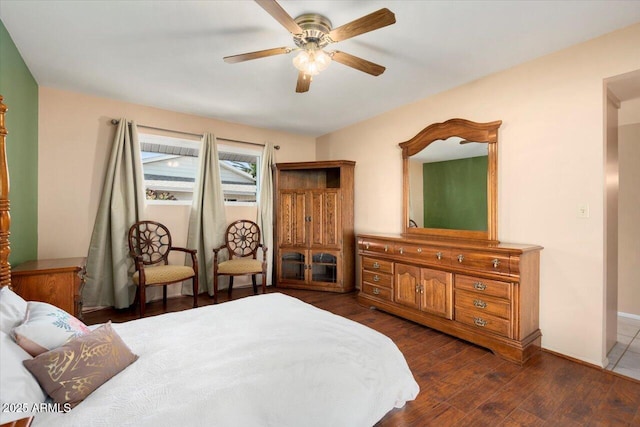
<point>150,246</point>
<point>242,241</point>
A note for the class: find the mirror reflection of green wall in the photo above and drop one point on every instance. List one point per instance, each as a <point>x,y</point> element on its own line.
<point>453,190</point>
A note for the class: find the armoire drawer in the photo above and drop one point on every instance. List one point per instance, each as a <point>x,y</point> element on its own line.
<point>483,286</point>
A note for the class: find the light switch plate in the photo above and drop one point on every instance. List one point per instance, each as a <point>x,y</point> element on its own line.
<point>583,211</point>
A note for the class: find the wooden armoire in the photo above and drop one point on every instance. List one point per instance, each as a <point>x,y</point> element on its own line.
<point>315,241</point>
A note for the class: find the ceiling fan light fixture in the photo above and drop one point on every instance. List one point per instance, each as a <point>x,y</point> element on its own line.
<point>311,61</point>
<point>313,32</point>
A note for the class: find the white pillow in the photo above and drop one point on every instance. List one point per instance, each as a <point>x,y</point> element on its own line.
<point>19,390</point>
<point>46,327</point>
<point>12,309</point>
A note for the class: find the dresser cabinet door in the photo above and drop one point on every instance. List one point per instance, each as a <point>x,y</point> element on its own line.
<point>436,292</point>
<point>407,285</point>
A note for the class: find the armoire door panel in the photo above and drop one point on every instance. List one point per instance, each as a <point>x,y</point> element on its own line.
<point>325,218</point>
<point>293,215</point>
<point>317,218</point>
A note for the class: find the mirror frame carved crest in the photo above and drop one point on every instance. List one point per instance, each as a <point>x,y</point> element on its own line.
<point>470,131</point>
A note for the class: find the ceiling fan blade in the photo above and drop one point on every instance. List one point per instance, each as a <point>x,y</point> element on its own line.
<point>256,55</point>
<point>304,81</point>
<point>274,9</point>
<point>358,63</point>
<point>370,22</point>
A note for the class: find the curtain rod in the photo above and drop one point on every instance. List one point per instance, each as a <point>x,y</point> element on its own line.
<point>116,121</point>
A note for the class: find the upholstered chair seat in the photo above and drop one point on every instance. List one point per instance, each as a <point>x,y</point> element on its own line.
<point>164,274</point>
<point>240,266</point>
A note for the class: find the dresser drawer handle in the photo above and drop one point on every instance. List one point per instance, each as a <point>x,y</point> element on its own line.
<point>401,251</point>
<point>460,258</point>
<point>495,262</point>
<point>479,321</point>
<point>439,255</point>
<point>376,291</point>
<point>419,250</point>
<point>479,303</point>
<point>366,246</point>
<point>386,248</point>
<point>376,278</point>
<point>479,286</point>
<point>376,265</point>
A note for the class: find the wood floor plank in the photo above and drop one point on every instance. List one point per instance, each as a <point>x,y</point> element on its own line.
<point>522,418</point>
<point>462,384</point>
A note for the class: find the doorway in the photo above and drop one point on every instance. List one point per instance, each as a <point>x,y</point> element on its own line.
<point>622,230</point>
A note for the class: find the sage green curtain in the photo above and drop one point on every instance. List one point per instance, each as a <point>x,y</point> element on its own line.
<point>109,266</point>
<point>207,220</point>
<point>265,206</point>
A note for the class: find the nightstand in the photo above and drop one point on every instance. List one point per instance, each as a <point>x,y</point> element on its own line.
<point>55,281</point>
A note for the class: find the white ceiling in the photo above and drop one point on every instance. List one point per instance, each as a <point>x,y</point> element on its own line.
<point>168,54</point>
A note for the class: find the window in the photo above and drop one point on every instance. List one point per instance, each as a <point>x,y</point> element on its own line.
<point>170,166</point>
<point>239,170</point>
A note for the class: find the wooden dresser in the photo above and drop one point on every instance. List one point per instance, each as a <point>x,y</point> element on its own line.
<point>314,225</point>
<point>485,293</point>
<point>54,281</point>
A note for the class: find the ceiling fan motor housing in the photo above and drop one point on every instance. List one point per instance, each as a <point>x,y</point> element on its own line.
<point>315,29</point>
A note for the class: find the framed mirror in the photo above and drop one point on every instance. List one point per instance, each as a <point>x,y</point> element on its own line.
<point>450,180</point>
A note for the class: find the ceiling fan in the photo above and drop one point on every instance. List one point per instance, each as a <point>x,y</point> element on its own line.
<point>312,32</point>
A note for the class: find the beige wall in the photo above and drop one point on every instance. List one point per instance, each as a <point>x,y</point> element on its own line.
<point>74,142</point>
<point>629,113</point>
<point>629,217</point>
<point>550,162</point>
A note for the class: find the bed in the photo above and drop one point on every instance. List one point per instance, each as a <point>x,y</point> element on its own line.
<point>265,360</point>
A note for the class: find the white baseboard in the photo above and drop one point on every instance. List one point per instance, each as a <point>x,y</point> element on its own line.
<point>629,315</point>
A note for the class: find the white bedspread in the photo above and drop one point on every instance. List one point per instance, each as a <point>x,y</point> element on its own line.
<point>267,360</point>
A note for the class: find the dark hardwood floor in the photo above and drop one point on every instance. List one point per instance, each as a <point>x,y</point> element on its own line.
<point>465,385</point>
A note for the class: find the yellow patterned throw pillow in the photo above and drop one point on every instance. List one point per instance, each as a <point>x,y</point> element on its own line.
<point>73,371</point>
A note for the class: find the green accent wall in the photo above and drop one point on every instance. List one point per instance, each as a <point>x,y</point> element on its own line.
<point>20,92</point>
<point>455,194</point>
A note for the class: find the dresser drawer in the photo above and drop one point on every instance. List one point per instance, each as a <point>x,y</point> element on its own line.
<point>494,263</point>
<point>376,291</point>
<point>483,321</point>
<point>483,286</point>
<point>483,304</point>
<point>377,279</point>
<point>376,246</point>
<point>377,265</point>
<point>424,253</point>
